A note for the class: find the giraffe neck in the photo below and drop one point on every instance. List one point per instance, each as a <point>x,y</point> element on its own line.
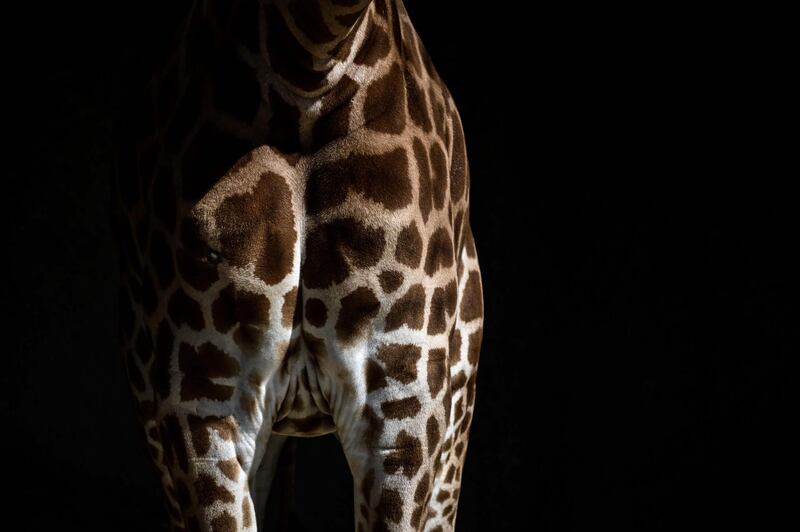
<point>312,44</point>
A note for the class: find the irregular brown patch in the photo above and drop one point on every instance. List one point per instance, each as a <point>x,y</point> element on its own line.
<point>381,178</point>
<point>473,351</point>
<point>247,512</point>
<point>454,352</point>
<point>375,47</point>
<point>183,309</point>
<point>400,360</point>
<point>390,280</point>
<point>224,522</point>
<point>408,310</point>
<point>401,408</point>
<point>258,227</point>
<point>458,161</point>
<point>199,366</point>
<point>359,307</point>
<point>384,106</point>
<point>390,506</point>
<point>200,429</point>
<point>443,496</point>
<point>417,102</point>
<point>409,246</point>
<point>472,298</point>
<point>288,308</point>
<point>438,175</point>
<point>230,468</point>
<point>440,251</point>
<point>336,246</point>
<point>334,122</point>
<point>432,430</point>
<point>437,321</point>
<point>425,194</point>
<point>239,306</point>
<point>316,312</point>
<point>374,375</point>
<point>436,370</point>
<point>457,382</point>
<point>423,486</point>
<point>406,454</point>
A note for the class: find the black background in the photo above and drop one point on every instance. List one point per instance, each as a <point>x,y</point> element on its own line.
<point>634,238</point>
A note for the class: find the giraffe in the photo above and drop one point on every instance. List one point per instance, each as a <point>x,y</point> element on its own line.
<point>297,260</point>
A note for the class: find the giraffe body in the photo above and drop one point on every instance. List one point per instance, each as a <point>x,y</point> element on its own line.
<point>302,263</point>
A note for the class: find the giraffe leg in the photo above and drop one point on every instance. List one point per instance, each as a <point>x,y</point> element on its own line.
<point>392,438</point>
<point>265,475</point>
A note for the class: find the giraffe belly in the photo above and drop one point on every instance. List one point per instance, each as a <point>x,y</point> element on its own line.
<point>304,411</point>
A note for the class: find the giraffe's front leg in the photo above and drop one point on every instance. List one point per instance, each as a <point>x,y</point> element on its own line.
<point>393,436</point>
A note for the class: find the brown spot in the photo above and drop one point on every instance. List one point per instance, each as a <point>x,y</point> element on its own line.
<point>199,366</point>
<point>384,104</point>
<point>438,175</point>
<point>390,280</point>
<point>443,496</point>
<point>458,381</point>
<point>432,430</point>
<point>201,427</point>
<point>417,102</point>
<point>183,309</point>
<point>359,307</point>
<point>335,247</point>
<point>374,375</point>
<point>436,370</point>
<point>459,410</point>
<point>258,227</point>
<point>440,251</point>
<point>458,162</point>
<point>450,472</point>
<point>375,47</point>
<point>401,361</point>
<point>248,337</point>
<point>381,178</point>
<point>472,299</point>
<point>437,321</point>
<point>459,449</point>
<point>247,511</point>
<point>238,306</point>
<point>390,506</point>
<point>316,312</point>
<point>408,310</point>
<point>423,486</point>
<point>401,408</point>
<point>425,194</point>
<point>230,468</point>
<point>287,311</point>
<point>337,105</point>
<point>224,522</point>
<point>406,454</point>
<point>471,389</point>
<point>455,346</point>
<point>473,351</point>
<point>409,246</point>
